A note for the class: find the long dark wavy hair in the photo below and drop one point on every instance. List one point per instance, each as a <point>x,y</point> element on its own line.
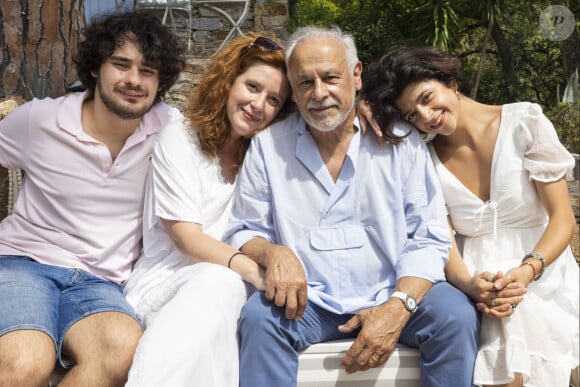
<point>385,81</point>
<point>160,47</point>
<point>207,112</point>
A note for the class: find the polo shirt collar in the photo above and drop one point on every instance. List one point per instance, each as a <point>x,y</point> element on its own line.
<point>69,117</point>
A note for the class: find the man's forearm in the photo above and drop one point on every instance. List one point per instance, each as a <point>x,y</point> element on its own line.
<point>256,249</point>
<point>414,286</point>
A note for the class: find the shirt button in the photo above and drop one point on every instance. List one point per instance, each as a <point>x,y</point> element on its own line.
<point>337,244</point>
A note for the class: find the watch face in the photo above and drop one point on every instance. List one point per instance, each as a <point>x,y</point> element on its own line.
<point>411,303</point>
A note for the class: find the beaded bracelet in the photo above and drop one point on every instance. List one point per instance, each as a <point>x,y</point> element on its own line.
<point>232,257</point>
<point>539,257</point>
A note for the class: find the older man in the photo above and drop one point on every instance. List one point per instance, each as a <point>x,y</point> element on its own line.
<point>352,234</point>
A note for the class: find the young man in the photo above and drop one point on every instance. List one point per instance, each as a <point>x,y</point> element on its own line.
<point>352,234</point>
<point>76,227</point>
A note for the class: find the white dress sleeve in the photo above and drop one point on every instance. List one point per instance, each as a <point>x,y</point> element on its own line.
<point>176,180</point>
<point>545,158</point>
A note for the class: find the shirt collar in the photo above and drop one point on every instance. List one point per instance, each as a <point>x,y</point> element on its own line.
<point>353,149</point>
<point>69,117</point>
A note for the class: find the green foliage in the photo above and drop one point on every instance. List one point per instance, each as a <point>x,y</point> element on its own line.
<point>566,120</point>
<point>437,23</point>
<point>538,59</point>
<point>489,10</point>
<point>375,25</point>
<point>315,12</point>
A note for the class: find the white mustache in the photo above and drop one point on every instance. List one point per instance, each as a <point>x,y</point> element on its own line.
<point>322,105</point>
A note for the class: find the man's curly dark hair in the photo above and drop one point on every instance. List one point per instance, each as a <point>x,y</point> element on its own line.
<point>160,47</point>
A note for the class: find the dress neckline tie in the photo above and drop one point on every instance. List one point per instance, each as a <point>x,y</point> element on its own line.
<point>488,206</point>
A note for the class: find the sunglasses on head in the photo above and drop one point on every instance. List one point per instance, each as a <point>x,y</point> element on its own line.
<point>263,43</point>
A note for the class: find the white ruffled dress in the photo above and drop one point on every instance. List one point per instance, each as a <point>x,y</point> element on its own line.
<point>540,340</point>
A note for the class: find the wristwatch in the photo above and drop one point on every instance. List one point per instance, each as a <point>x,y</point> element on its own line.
<point>409,302</point>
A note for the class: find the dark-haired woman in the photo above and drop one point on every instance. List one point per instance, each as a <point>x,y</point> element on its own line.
<point>502,170</point>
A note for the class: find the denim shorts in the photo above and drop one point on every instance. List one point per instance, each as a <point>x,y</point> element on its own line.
<point>35,296</point>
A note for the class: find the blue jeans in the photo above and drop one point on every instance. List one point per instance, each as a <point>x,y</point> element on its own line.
<point>444,327</point>
<point>51,298</point>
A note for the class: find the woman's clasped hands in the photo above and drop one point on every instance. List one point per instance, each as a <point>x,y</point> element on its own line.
<point>498,295</point>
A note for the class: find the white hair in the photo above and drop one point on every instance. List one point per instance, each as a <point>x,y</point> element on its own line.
<point>311,32</point>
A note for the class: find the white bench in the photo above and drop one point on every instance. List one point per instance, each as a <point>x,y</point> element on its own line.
<point>319,366</point>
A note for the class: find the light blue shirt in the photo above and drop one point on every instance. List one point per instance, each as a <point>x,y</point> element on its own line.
<point>383,219</point>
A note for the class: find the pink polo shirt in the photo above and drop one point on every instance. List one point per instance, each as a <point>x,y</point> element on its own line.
<point>77,208</point>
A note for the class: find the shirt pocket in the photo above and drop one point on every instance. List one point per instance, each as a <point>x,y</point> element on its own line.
<point>340,238</point>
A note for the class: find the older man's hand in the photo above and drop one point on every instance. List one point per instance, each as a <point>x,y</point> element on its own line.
<point>366,119</point>
<point>381,327</point>
<point>286,281</point>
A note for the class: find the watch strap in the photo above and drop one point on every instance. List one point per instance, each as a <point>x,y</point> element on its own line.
<point>400,295</point>
<point>404,297</point>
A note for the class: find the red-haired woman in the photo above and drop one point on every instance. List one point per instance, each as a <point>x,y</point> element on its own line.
<point>189,286</point>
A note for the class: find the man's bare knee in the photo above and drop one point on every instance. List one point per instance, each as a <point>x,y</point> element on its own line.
<point>121,350</point>
<point>112,338</point>
<point>27,358</point>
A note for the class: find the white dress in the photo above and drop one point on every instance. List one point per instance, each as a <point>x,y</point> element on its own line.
<point>189,310</point>
<point>540,339</point>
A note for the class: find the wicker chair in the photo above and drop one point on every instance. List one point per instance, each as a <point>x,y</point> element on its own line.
<point>10,180</point>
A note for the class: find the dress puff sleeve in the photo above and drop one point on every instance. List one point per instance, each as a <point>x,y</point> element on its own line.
<point>545,158</point>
